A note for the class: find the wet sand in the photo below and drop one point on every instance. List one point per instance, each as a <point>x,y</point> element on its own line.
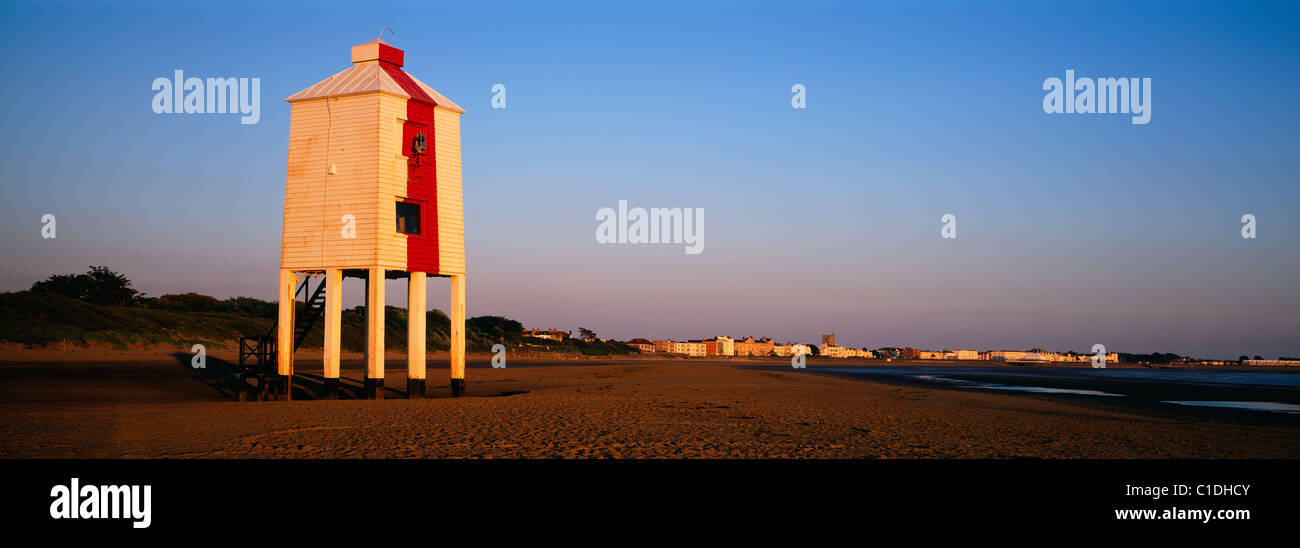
<point>86,403</point>
<point>1153,391</point>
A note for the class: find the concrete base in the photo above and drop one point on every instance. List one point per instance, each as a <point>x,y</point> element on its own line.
<point>374,389</point>
<point>414,388</point>
<point>331,390</point>
<point>457,387</point>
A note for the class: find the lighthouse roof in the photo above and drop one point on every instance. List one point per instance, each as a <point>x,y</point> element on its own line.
<point>376,66</point>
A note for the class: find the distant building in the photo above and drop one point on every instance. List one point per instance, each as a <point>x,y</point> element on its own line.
<point>751,347</point>
<point>1272,363</point>
<point>965,355</point>
<point>550,334</point>
<point>909,353</point>
<point>828,339</point>
<point>643,345</point>
<point>692,348</point>
<point>665,346</point>
<point>1019,356</point>
<point>720,346</point>
<point>1041,356</point>
<point>784,350</point>
<point>1071,357</point>
<point>689,348</point>
<point>710,347</point>
<point>831,351</point>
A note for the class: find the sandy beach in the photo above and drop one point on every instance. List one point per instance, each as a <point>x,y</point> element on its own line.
<point>150,403</point>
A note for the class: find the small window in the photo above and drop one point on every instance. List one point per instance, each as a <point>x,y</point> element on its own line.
<point>408,217</point>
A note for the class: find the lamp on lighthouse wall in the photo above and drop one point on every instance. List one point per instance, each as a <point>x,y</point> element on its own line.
<point>418,147</point>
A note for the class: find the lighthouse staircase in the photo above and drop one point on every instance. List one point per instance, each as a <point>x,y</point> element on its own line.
<point>259,356</point>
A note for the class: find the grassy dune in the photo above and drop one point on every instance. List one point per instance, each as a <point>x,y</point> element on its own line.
<point>37,318</point>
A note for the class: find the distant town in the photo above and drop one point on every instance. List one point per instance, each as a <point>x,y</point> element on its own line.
<point>766,347</point>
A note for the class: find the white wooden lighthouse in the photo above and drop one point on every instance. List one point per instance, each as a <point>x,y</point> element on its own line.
<point>373,190</point>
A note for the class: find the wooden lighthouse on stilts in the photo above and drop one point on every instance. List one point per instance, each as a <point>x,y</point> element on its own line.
<point>373,191</point>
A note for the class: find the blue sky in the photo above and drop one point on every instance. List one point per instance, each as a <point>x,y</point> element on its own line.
<point>1072,229</point>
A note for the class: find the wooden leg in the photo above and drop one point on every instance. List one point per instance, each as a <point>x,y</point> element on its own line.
<point>374,386</point>
<point>333,330</point>
<point>457,334</point>
<point>365,351</point>
<point>284,329</point>
<point>416,305</point>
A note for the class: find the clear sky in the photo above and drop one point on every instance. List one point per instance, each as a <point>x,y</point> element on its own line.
<point>1072,229</point>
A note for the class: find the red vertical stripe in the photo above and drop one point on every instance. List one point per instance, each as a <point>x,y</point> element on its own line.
<point>422,177</point>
